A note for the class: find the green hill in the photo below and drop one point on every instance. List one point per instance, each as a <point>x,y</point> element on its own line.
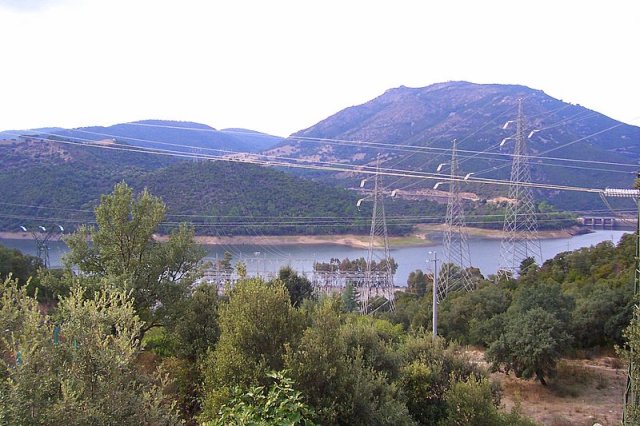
<point>47,182</point>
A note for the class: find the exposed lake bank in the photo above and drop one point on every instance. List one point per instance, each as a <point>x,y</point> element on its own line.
<point>419,238</point>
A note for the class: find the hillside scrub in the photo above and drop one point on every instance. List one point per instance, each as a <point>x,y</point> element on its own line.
<point>230,356</point>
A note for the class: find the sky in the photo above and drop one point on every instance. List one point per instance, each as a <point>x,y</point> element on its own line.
<point>279,66</point>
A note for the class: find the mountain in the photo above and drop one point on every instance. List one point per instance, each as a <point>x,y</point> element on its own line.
<point>413,129</point>
<point>257,141</point>
<point>15,134</point>
<point>177,136</point>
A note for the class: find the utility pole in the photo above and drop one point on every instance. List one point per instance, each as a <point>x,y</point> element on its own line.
<point>520,223</point>
<point>632,391</point>
<point>435,296</point>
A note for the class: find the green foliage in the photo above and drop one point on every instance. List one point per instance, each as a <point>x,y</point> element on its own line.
<point>350,298</point>
<point>631,352</point>
<point>600,315</point>
<point>298,287</point>
<point>242,194</point>
<point>123,249</point>
<point>472,402</point>
<point>19,266</point>
<point>531,345</point>
<point>279,404</point>
<point>547,296</point>
<point>225,262</point>
<point>255,326</point>
<point>197,330</point>
<point>430,368</point>
<point>355,265</point>
<point>535,331</point>
<point>78,371</point>
<point>51,284</point>
<point>376,340</point>
<point>184,345</point>
<point>471,317</point>
<point>345,382</point>
<point>418,282</point>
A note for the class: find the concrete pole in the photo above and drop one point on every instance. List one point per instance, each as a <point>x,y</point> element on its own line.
<point>435,296</point>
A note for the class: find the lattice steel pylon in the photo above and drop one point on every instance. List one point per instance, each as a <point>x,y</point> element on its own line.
<point>42,236</point>
<point>520,224</point>
<point>454,273</point>
<point>379,272</point>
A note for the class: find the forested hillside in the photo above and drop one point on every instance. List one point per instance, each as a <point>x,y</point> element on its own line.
<point>176,136</point>
<point>63,184</point>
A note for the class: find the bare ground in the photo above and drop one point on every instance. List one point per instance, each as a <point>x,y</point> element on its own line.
<point>358,241</point>
<point>495,233</point>
<point>585,392</point>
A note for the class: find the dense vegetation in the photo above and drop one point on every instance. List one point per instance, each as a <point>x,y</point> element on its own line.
<point>129,314</point>
<point>128,339</point>
<point>220,198</point>
<point>577,301</point>
<point>177,136</point>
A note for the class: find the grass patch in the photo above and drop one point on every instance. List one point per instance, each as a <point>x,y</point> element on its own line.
<point>574,380</point>
<point>159,342</point>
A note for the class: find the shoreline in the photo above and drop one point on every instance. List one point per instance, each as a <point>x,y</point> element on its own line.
<point>420,237</point>
<point>350,240</point>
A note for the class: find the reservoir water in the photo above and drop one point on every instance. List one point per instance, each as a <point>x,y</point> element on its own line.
<point>265,260</point>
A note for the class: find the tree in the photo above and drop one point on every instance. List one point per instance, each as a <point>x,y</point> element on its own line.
<point>80,369</point>
<point>527,265</point>
<point>339,378</point>
<point>418,282</point>
<point>350,298</point>
<point>225,263</point>
<point>19,266</point>
<point>197,328</point>
<point>299,287</point>
<point>430,368</point>
<point>631,352</point>
<point>471,317</point>
<point>530,346</point>
<point>255,326</point>
<point>158,274</point>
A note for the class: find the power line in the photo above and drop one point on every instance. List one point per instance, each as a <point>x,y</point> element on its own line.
<point>266,160</point>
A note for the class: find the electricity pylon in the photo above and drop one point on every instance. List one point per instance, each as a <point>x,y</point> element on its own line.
<point>455,275</point>
<point>632,391</point>
<point>379,272</point>
<point>42,236</point>
<point>520,224</point>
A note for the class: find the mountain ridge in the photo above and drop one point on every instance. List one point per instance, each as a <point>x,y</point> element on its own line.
<point>169,135</point>
<point>429,118</point>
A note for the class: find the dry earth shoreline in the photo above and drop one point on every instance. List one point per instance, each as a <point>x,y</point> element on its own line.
<point>419,238</point>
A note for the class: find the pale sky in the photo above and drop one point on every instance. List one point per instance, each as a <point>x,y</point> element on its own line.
<point>280,66</point>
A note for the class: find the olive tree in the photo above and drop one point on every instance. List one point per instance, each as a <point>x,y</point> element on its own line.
<point>124,250</point>
<point>78,367</point>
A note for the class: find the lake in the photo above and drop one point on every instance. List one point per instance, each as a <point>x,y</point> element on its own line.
<point>266,259</point>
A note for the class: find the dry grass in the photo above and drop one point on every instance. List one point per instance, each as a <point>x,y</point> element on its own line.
<point>583,393</point>
<point>586,391</point>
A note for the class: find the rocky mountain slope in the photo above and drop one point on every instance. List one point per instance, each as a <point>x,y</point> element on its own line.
<point>413,129</point>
